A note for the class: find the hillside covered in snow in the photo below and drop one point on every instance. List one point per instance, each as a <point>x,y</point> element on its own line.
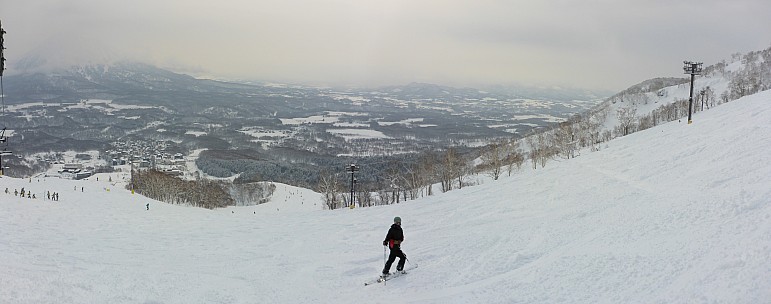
<point>677,213</point>
<point>658,100</point>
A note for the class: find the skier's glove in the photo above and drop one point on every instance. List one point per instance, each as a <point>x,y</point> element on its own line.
<point>385,243</point>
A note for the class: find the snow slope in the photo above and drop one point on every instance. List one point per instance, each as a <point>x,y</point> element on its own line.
<point>675,214</point>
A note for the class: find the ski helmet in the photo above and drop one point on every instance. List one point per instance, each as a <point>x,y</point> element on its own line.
<point>397,220</point>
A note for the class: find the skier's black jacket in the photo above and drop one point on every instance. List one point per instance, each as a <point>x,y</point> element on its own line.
<point>395,236</point>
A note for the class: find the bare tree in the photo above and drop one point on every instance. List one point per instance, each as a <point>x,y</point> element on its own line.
<point>547,148</point>
<point>364,196</point>
<point>627,116</point>
<point>492,160</point>
<point>384,197</point>
<point>413,179</point>
<point>514,156</point>
<point>565,139</point>
<point>461,169</point>
<point>394,176</point>
<point>330,186</point>
<point>532,142</point>
<point>588,132</point>
<point>710,97</point>
<point>428,171</point>
<point>446,170</point>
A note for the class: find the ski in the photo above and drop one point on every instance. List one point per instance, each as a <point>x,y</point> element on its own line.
<point>397,274</point>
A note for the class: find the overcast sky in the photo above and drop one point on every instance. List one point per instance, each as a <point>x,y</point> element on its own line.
<point>600,44</point>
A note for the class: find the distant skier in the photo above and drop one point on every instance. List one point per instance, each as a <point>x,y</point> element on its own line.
<point>393,240</point>
<point>148,206</point>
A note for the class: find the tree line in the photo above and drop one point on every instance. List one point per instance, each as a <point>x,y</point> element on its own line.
<point>204,193</point>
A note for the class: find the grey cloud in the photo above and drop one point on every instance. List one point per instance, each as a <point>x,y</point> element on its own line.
<point>596,43</point>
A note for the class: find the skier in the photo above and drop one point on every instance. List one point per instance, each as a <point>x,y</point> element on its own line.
<point>148,206</point>
<point>393,240</point>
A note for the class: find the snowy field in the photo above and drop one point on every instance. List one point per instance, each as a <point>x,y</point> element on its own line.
<point>351,134</point>
<point>674,214</point>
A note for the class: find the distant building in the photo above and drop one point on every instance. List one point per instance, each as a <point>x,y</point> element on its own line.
<point>74,171</point>
<point>72,167</point>
<point>67,175</point>
<point>83,174</point>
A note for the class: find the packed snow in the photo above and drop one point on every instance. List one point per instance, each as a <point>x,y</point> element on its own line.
<point>679,213</point>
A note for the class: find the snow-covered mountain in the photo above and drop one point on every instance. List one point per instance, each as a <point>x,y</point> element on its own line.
<point>652,103</point>
<point>676,213</point>
<point>718,83</point>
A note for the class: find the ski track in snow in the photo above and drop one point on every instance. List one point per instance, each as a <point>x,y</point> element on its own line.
<point>674,214</point>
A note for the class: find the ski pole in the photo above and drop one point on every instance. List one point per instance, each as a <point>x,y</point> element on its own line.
<point>384,261</point>
<point>408,261</point>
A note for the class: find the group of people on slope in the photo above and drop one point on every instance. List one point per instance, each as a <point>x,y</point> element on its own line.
<point>30,195</point>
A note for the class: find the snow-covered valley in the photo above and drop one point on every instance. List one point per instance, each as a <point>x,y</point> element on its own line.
<point>674,214</point>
